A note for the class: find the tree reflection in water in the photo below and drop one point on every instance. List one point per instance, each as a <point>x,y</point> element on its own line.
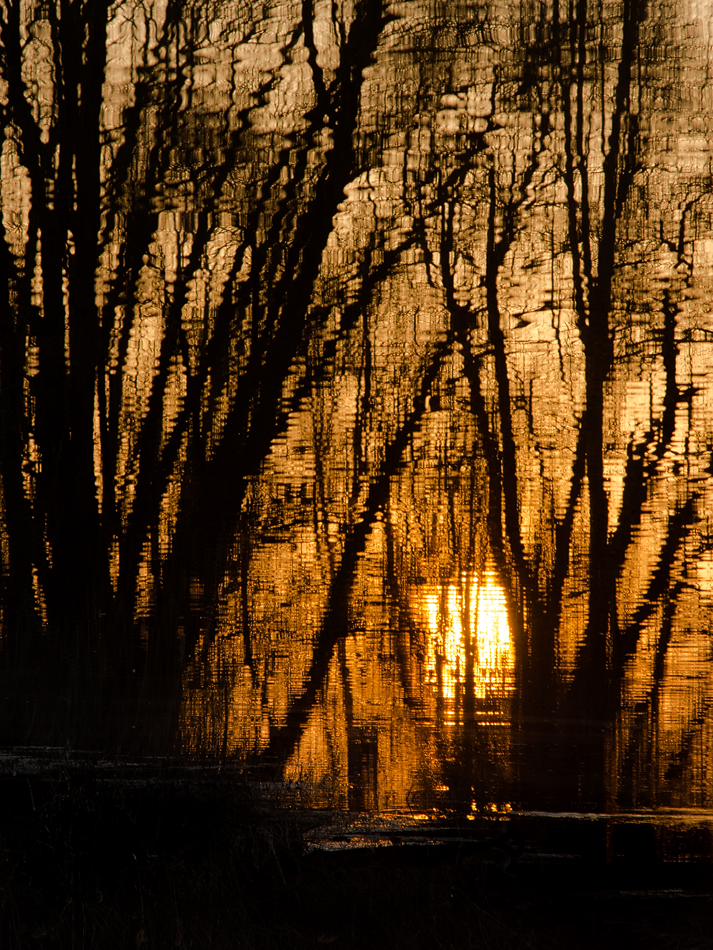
<point>321,317</point>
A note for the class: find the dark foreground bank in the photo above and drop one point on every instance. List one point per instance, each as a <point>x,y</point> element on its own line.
<point>89,862</point>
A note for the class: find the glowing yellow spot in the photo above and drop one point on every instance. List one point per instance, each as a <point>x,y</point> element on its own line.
<point>468,636</point>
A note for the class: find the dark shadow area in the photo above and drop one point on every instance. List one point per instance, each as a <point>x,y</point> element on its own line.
<point>88,863</point>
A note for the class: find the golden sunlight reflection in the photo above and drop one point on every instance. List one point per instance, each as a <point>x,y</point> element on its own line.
<point>469,639</point>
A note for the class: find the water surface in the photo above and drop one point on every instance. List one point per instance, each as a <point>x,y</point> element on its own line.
<point>357,395</point>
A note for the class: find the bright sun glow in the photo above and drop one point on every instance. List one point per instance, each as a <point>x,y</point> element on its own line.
<point>469,615</point>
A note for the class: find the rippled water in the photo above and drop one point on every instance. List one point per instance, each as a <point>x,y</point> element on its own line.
<point>357,395</point>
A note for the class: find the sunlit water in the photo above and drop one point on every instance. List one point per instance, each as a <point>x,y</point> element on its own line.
<point>357,397</point>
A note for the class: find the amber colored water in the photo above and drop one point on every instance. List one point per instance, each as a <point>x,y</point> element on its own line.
<point>356,395</point>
